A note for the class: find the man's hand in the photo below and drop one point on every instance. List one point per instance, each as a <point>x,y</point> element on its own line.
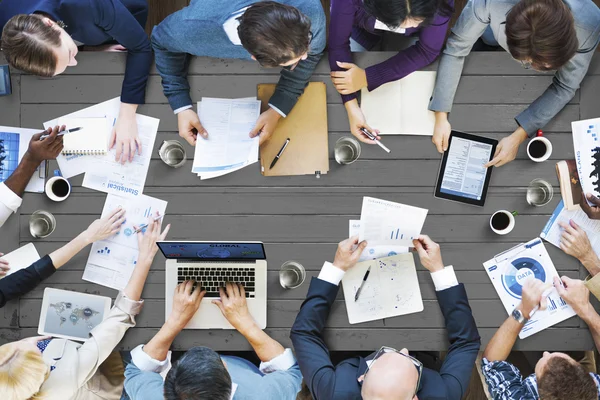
<point>4,267</point>
<point>441,131</point>
<point>265,125</point>
<point>574,241</point>
<point>105,227</point>
<point>429,253</point>
<point>357,120</point>
<point>186,302</point>
<point>350,81</point>
<point>574,293</point>
<point>125,134</point>
<point>531,297</point>
<point>190,126</point>
<point>347,255</point>
<point>47,149</point>
<point>234,307</point>
<point>507,149</point>
<point>593,212</point>
<point>147,240</point>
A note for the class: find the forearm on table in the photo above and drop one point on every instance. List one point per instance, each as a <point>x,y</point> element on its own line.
<point>19,179</point>
<point>503,341</point>
<point>264,346</point>
<point>591,262</point>
<point>592,319</point>
<point>61,256</point>
<point>158,347</point>
<point>136,283</point>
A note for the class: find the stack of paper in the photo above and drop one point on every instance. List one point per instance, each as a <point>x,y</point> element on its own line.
<point>552,231</point>
<point>586,142</point>
<point>21,258</point>
<point>14,144</point>
<point>374,252</point>
<point>228,147</point>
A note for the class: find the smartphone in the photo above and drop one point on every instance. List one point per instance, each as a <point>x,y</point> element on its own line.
<point>5,86</point>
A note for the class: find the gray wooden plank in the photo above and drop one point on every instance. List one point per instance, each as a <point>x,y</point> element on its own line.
<point>10,111</point>
<point>590,90</point>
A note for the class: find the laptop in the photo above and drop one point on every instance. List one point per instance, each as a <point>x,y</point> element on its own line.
<point>211,264</point>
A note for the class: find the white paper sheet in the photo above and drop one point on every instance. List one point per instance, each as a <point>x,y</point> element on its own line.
<point>391,289</point>
<point>586,142</point>
<point>21,258</point>
<point>552,231</point>
<point>384,222</point>
<point>228,147</point>
<point>508,272</point>
<point>373,252</point>
<point>112,261</point>
<point>38,180</point>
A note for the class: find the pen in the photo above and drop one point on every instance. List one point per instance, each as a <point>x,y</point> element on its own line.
<point>546,293</point>
<point>141,228</point>
<point>362,283</point>
<point>280,153</point>
<point>373,137</point>
<point>63,132</point>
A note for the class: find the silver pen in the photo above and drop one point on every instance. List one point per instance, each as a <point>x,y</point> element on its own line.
<point>141,228</point>
<point>63,132</point>
<point>373,137</point>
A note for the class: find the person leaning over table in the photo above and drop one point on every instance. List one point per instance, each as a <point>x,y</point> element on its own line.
<point>557,376</point>
<point>12,189</point>
<point>388,374</point>
<point>545,35</point>
<point>45,368</point>
<point>355,26</point>
<point>285,33</point>
<point>201,373</point>
<point>42,37</point>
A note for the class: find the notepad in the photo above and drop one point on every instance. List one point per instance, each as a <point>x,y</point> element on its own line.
<point>91,139</point>
<point>21,258</point>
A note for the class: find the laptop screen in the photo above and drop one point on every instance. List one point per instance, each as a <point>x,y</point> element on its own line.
<point>214,251</point>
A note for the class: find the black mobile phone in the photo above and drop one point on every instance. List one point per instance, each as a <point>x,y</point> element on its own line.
<point>5,86</point>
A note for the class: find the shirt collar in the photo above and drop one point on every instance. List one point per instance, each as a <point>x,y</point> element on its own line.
<point>231,27</point>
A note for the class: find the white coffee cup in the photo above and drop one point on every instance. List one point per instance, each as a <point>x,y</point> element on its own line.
<point>539,157</point>
<point>504,222</point>
<point>57,187</point>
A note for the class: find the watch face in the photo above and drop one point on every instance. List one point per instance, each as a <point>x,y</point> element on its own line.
<point>517,315</point>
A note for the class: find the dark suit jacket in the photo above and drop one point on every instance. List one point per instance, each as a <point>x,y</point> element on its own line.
<point>329,382</point>
<point>96,22</point>
<point>25,280</point>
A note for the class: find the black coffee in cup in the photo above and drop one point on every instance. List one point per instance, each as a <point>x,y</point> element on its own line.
<point>537,149</point>
<point>60,188</point>
<point>500,221</point>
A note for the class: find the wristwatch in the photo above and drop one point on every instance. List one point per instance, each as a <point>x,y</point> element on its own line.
<point>518,316</point>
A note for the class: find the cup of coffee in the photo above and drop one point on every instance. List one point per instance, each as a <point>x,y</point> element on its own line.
<point>346,150</point>
<point>172,153</point>
<point>502,222</point>
<point>57,187</point>
<point>41,224</point>
<point>291,274</point>
<point>539,148</point>
<point>539,192</point>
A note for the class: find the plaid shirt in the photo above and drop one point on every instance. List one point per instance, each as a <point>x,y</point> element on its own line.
<point>505,382</point>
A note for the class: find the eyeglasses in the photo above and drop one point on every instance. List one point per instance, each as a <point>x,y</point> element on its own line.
<point>384,349</point>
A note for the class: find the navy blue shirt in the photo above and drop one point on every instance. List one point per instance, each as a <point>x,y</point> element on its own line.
<point>96,22</point>
<point>25,280</point>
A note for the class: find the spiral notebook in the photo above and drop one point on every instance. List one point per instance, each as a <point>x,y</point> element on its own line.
<point>91,139</point>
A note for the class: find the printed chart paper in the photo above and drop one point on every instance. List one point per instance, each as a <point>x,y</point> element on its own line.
<point>37,182</point>
<point>392,289</point>
<point>112,261</point>
<point>508,272</point>
<point>552,231</point>
<point>586,142</point>
<point>373,252</point>
<point>384,222</point>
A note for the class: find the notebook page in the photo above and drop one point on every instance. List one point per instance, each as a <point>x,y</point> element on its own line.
<point>91,139</point>
<point>415,117</point>
<point>381,107</point>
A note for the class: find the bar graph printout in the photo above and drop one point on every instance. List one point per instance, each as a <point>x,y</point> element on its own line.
<point>111,261</point>
<point>384,222</point>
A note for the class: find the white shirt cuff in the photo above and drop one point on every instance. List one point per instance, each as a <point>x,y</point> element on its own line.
<point>282,362</point>
<point>180,109</point>
<point>332,274</point>
<point>9,198</point>
<point>444,279</point>
<point>146,363</point>
<point>278,110</point>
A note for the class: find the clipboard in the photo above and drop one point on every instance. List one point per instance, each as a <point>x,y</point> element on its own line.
<point>306,126</point>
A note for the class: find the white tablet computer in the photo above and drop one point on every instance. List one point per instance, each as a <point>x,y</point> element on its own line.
<point>71,315</point>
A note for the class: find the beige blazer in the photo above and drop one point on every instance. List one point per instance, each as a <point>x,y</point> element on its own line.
<point>76,375</point>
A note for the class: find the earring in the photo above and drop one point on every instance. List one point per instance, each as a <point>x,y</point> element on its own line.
<point>61,24</point>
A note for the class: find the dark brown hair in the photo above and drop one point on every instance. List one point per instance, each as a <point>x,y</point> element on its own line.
<point>563,379</point>
<point>27,43</point>
<point>542,31</point>
<point>274,33</point>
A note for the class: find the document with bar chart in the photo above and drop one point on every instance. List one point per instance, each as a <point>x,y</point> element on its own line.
<point>586,142</point>
<point>111,261</point>
<point>384,222</point>
<point>508,272</point>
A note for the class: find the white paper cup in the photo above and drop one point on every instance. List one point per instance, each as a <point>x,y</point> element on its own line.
<point>506,228</point>
<point>546,155</point>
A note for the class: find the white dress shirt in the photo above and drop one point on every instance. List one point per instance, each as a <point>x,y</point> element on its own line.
<point>9,203</point>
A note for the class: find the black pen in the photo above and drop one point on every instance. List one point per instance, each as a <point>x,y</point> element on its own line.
<point>63,132</point>
<point>362,283</point>
<point>280,153</point>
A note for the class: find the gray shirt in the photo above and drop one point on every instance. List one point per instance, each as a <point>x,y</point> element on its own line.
<point>475,19</point>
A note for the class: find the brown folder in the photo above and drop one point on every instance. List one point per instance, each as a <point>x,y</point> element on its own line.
<point>306,127</point>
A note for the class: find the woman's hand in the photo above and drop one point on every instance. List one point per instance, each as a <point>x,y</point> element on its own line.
<point>125,135</point>
<point>148,237</point>
<point>105,227</point>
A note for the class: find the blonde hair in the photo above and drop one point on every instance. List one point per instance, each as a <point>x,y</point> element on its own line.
<point>22,373</point>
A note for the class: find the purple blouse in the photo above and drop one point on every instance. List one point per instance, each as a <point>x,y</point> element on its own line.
<point>349,15</point>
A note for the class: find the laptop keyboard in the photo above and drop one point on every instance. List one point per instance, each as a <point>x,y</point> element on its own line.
<point>212,278</point>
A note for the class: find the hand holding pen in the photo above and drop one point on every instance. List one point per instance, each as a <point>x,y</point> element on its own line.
<point>144,226</point>
<point>63,132</point>
<point>375,138</point>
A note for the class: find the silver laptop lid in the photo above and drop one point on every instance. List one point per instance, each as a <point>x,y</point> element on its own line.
<point>213,251</point>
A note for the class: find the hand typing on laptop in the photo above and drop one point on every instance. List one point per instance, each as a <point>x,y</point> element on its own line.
<point>234,307</point>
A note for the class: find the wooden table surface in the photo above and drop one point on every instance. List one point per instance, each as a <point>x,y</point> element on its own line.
<point>303,218</point>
